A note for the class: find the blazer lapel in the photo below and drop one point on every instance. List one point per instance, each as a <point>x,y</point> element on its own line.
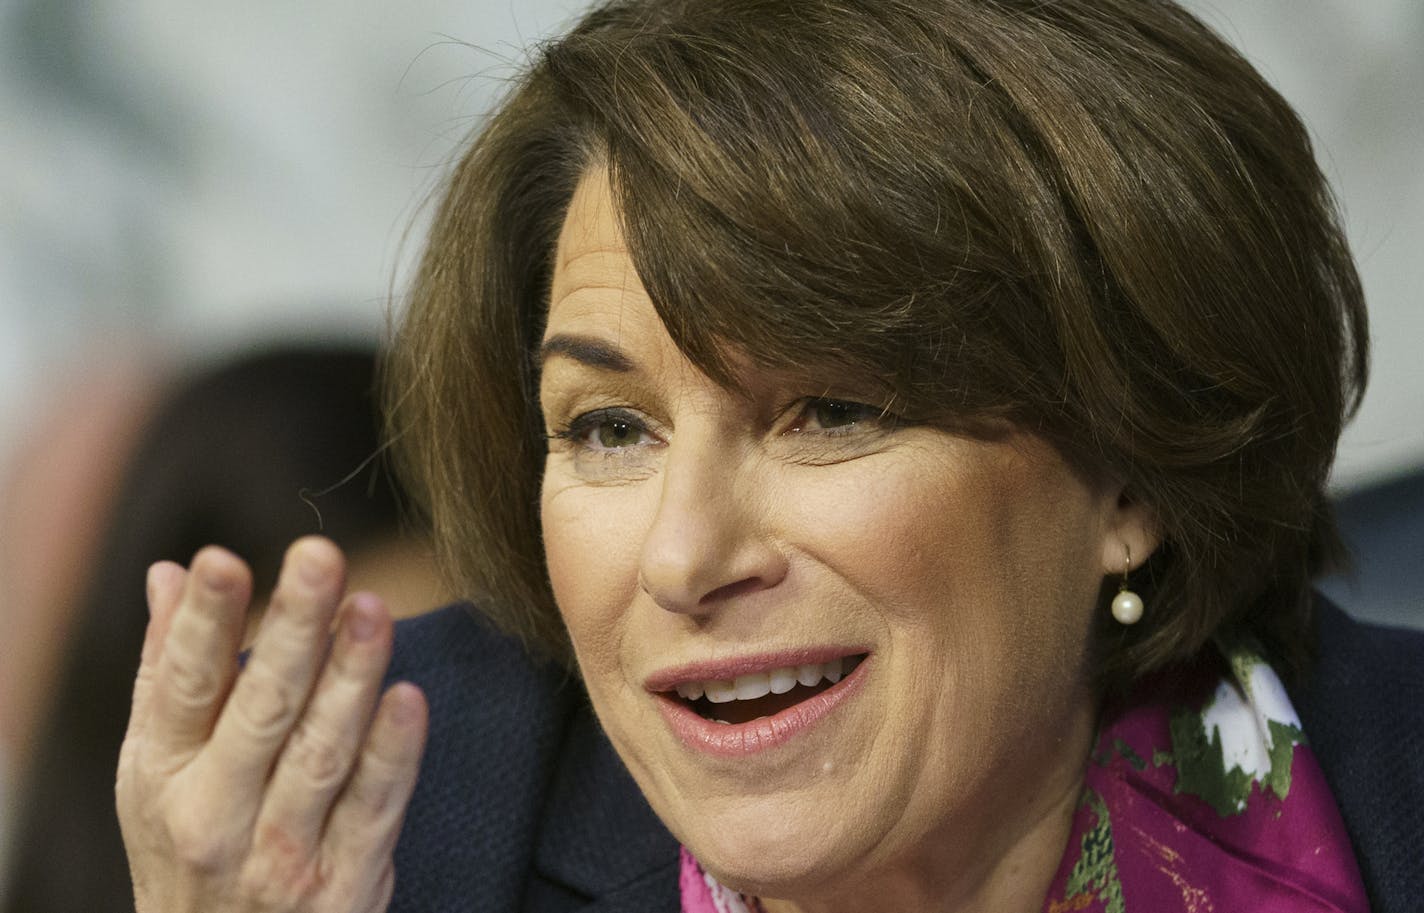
<point>496,726</point>
<point>600,840</point>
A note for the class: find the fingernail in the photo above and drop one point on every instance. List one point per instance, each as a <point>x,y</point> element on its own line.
<point>312,571</point>
<point>151,584</point>
<point>213,580</point>
<point>404,710</point>
<point>363,623</point>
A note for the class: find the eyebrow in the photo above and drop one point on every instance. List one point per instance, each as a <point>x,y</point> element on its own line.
<point>587,350</point>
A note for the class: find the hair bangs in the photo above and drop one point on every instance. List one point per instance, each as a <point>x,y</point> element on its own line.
<point>768,213</point>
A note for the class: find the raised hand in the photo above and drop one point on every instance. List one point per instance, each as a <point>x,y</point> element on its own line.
<point>281,786</point>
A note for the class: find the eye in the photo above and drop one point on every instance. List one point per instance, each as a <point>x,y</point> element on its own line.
<point>837,416</point>
<point>606,430</point>
<point>615,432</point>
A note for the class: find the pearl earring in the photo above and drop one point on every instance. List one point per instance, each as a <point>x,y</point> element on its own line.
<point>1127,605</point>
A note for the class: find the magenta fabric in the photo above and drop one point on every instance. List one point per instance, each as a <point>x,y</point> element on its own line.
<point>1167,823</point>
<point>1201,796</point>
<point>702,894</point>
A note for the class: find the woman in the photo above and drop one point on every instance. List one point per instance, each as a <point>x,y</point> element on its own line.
<point>909,419</point>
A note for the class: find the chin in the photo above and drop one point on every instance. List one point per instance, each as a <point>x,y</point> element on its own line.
<point>772,848</point>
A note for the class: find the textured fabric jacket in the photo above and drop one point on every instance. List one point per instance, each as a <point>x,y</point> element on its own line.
<point>522,804</point>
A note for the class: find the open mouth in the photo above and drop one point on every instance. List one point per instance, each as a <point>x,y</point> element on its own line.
<point>764,694</point>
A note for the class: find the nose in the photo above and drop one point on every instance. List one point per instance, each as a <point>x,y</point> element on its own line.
<point>709,540</point>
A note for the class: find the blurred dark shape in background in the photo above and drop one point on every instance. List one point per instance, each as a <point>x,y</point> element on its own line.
<point>250,455</point>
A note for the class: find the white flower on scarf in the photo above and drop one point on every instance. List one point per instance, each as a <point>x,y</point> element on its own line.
<point>1241,713</point>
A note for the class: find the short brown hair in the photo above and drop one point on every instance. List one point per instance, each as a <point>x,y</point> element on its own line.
<point>1090,218</point>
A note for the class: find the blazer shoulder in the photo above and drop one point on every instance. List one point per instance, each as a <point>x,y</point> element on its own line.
<point>1362,708</point>
<point>1363,667</point>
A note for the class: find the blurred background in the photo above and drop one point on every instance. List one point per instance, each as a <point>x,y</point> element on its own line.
<point>182,184</point>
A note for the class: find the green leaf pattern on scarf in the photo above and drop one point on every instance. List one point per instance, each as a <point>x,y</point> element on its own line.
<point>1095,872</point>
<point>1245,735</point>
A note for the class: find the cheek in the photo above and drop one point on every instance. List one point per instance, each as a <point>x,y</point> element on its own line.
<point>913,537</point>
<point>989,557</point>
<point>591,549</point>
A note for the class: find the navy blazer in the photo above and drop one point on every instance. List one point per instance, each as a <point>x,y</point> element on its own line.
<point>522,804</point>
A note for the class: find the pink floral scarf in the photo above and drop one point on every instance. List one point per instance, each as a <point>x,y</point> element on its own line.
<point>1201,797</point>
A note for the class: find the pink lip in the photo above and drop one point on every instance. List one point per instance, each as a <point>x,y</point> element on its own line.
<point>741,739</point>
<point>725,670</point>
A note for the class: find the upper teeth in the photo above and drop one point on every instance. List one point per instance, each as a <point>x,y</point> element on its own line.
<point>760,684</point>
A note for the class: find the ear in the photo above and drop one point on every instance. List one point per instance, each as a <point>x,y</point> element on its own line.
<point>1130,532</point>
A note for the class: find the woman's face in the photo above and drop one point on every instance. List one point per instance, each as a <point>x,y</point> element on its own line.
<point>707,542</point>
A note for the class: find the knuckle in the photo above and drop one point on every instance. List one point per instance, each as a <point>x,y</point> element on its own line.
<point>321,759</point>
<point>281,871</point>
<point>263,702</point>
<point>198,844</point>
<point>254,882</point>
<point>267,889</point>
<point>192,683</point>
<point>375,790</point>
<point>144,679</point>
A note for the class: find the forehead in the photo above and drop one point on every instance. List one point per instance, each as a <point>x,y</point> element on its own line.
<point>600,316</point>
<point>592,269</point>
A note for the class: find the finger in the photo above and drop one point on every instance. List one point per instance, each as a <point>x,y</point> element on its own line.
<point>165,587</point>
<point>289,651</point>
<point>319,756</point>
<point>365,891</point>
<point>197,658</point>
<point>361,833</point>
